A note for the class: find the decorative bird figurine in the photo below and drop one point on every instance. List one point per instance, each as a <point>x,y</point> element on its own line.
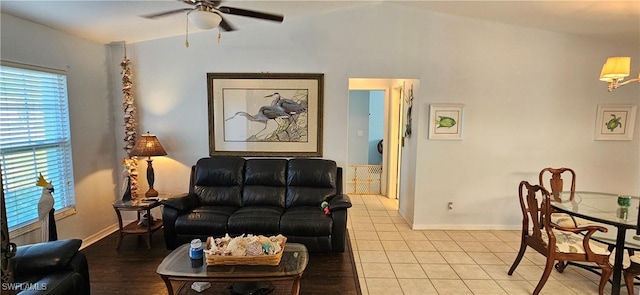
<point>265,114</point>
<point>45,205</point>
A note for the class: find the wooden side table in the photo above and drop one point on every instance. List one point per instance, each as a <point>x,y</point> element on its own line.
<point>135,228</point>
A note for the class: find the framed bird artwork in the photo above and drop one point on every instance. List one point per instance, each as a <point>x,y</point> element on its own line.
<point>265,114</point>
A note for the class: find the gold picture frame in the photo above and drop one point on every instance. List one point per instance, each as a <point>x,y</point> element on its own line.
<point>265,114</point>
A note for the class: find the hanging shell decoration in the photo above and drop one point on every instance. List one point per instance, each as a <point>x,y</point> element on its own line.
<point>130,123</point>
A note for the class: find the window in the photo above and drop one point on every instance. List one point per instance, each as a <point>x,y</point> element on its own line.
<point>34,139</point>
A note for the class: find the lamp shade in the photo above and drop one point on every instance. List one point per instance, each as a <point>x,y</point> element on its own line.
<point>148,146</point>
<point>204,19</point>
<point>615,68</point>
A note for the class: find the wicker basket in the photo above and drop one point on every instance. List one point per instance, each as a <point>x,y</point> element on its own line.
<point>244,260</point>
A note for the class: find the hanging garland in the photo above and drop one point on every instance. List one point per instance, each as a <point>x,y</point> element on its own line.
<point>409,100</point>
<point>129,163</point>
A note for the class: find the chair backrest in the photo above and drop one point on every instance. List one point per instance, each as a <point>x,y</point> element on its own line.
<point>310,181</point>
<point>218,181</point>
<point>638,223</point>
<point>265,182</point>
<point>536,208</point>
<point>556,182</point>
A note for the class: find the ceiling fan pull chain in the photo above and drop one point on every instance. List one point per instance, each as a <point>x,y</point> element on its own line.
<point>219,36</point>
<point>186,39</point>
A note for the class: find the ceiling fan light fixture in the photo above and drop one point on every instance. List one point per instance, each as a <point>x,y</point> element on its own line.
<point>204,19</point>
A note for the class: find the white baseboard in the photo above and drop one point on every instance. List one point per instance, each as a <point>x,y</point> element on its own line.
<point>405,217</point>
<point>485,227</point>
<point>457,226</point>
<point>98,236</point>
<point>465,227</point>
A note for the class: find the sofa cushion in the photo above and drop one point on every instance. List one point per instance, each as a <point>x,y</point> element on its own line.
<point>305,221</point>
<point>258,220</point>
<point>55,283</point>
<point>208,220</point>
<point>259,195</point>
<point>310,181</point>
<point>45,257</point>
<point>265,172</point>
<point>219,196</point>
<point>264,182</point>
<point>569,242</point>
<point>218,181</point>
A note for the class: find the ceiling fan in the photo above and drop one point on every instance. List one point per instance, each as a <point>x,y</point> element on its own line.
<point>207,14</point>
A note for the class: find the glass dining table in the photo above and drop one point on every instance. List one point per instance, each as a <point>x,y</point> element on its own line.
<point>603,208</point>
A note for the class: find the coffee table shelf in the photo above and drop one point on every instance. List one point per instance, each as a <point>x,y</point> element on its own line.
<point>177,266</point>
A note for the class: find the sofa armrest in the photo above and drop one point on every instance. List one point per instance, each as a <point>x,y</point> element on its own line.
<point>182,204</point>
<point>339,202</point>
<point>45,257</point>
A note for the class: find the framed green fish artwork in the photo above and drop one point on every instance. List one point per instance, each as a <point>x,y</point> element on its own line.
<point>445,121</point>
<point>615,122</point>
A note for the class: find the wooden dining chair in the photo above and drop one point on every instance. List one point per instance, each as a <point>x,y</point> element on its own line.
<point>554,242</point>
<point>631,272</point>
<point>556,184</point>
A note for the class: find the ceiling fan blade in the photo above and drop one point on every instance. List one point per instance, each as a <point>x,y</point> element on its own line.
<point>251,13</point>
<point>209,3</point>
<point>166,13</point>
<point>225,25</point>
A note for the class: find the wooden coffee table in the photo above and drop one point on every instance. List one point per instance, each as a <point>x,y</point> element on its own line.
<point>177,266</point>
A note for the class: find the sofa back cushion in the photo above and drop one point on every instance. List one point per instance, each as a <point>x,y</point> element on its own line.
<point>218,181</point>
<point>310,181</point>
<point>264,182</point>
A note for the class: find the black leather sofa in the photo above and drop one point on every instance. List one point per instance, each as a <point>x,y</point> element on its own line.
<point>261,196</point>
<point>56,268</point>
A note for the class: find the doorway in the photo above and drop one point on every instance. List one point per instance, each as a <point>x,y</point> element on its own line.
<point>375,120</point>
<point>366,142</point>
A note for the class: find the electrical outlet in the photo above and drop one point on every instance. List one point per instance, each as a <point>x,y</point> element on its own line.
<point>450,205</point>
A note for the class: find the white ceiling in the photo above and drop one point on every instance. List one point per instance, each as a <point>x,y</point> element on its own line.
<point>114,21</point>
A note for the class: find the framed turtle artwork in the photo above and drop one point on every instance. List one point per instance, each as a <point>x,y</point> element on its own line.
<point>615,122</point>
<point>445,121</point>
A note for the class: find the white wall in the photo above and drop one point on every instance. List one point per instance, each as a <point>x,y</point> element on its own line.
<point>376,125</point>
<point>90,110</point>
<point>530,97</point>
<point>366,114</point>
<point>358,122</point>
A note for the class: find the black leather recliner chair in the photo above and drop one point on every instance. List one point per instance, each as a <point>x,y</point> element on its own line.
<point>56,268</point>
<point>261,196</point>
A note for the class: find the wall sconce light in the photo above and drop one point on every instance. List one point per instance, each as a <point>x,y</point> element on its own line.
<point>615,70</point>
<point>149,146</point>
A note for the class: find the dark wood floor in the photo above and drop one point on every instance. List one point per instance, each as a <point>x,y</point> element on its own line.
<point>132,269</point>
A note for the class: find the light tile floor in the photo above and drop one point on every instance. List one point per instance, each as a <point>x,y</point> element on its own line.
<point>391,258</point>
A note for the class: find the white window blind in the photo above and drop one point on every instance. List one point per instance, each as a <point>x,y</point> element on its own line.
<point>34,139</point>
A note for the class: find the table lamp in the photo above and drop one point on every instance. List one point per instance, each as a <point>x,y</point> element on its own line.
<point>149,146</point>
